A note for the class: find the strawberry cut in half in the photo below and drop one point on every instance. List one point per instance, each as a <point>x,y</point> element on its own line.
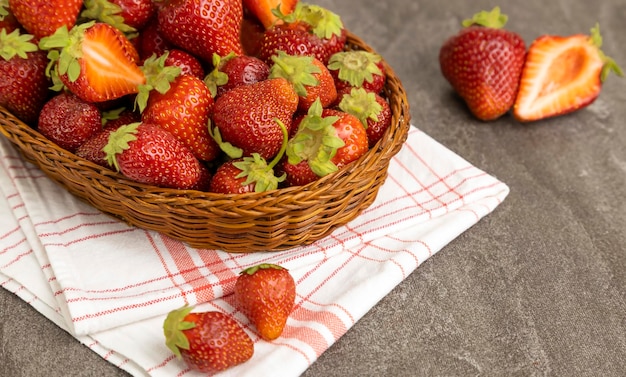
<point>562,75</point>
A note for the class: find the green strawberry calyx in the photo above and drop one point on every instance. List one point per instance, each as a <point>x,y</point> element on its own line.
<point>257,171</point>
<point>15,44</point>
<point>324,23</point>
<point>173,328</point>
<point>216,77</point>
<point>159,77</point>
<point>64,51</point>
<point>316,141</point>
<point>262,266</point>
<point>107,12</point>
<point>610,65</point>
<point>119,142</point>
<point>493,19</point>
<point>355,66</point>
<point>362,104</point>
<point>298,70</point>
<point>4,9</point>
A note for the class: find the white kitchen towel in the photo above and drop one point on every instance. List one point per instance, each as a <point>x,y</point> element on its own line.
<point>111,285</point>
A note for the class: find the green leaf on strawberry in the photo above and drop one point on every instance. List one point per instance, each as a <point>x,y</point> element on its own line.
<point>316,141</point>
<point>226,147</point>
<point>119,142</point>
<point>173,327</point>
<point>15,44</point>
<point>362,104</point>
<point>493,19</point>
<point>107,12</point>
<point>216,77</point>
<point>298,70</point>
<point>355,66</point>
<point>324,23</point>
<point>158,77</point>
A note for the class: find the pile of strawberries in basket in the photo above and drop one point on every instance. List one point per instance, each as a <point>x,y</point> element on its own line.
<point>226,96</point>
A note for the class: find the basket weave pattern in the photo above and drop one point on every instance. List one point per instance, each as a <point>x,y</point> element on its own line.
<point>252,222</point>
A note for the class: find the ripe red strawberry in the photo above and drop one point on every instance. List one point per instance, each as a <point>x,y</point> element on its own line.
<point>245,116</point>
<point>208,342</point>
<point>309,30</point>
<point>370,108</point>
<point>202,27</point>
<point>43,17</point>
<point>249,174</point>
<point>24,84</point>
<point>358,69</point>
<point>151,42</point>
<point>483,64</point>
<point>266,294</point>
<point>263,9</point>
<point>96,61</point>
<point>149,154</point>
<point>68,121</point>
<point>184,110</point>
<point>233,71</point>
<point>562,75</point>
<point>309,76</point>
<point>126,15</point>
<point>327,140</point>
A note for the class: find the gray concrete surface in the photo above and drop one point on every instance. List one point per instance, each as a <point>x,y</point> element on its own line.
<point>537,288</point>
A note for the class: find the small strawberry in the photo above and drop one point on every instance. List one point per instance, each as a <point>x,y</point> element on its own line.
<point>96,61</point>
<point>309,30</point>
<point>249,174</point>
<point>245,116</point>
<point>202,27</point>
<point>370,108</point>
<point>309,76</point>
<point>42,18</point>
<point>235,70</point>
<point>264,10</point>
<point>148,154</point>
<point>23,83</point>
<point>327,140</point>
<point>68,121</point>
<point>483,64</point>
<point>208,342</point>
<point>562,75</point>
<point>126,15</point>
<point>266,294</point>
<point>358,69</point>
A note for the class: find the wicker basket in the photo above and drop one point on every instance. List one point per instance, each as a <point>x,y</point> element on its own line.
<point>253,222</point>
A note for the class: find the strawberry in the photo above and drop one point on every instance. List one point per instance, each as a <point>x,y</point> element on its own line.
<point>309,30</point>
<point>483,64</point>
<point>562,75</point>
<point>93,148</point>
<point>264,10</point>
<point>148,154</point>
<point>357,69</point>
<point>188,64</point>
<point>208,342</point>
<point>309,76</point>
<point>266,294</point>
<point>184,111</point>
<point>327,139</point>
<point>42,18</point>
<point>244,117</point>
<point>96,61</point>
<point>151,42</point>
<point>68,121</point>
<point>127,15</point>
<point>249,174</point>
<point>233,71</point>
<point>370,108</point>
<point>24,85</point>
<point>202,27</point>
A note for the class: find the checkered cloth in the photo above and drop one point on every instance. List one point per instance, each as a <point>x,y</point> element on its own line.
<point>111,285</point>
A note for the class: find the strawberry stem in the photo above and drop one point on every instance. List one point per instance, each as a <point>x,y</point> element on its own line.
<point>262,266</point>
<point>492,19</point>
<point>610,65</point>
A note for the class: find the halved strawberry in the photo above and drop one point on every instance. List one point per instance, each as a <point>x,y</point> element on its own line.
<point>562,75</point>
<point>95,61</point>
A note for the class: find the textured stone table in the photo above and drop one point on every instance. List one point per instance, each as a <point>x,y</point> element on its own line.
<point>538,288</point>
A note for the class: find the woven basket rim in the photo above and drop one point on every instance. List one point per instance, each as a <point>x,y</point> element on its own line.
<point>191,203</point>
